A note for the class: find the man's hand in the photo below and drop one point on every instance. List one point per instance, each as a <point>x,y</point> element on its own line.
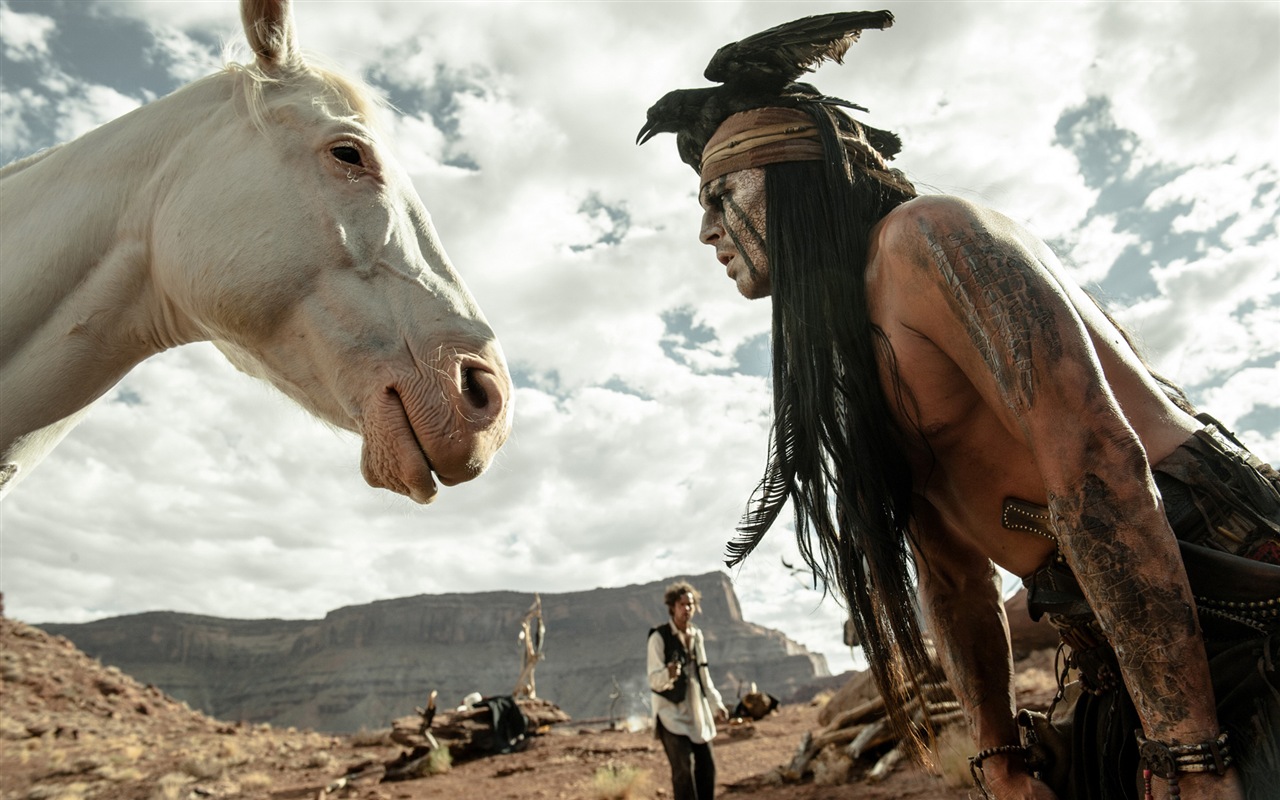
<point>673,670</point>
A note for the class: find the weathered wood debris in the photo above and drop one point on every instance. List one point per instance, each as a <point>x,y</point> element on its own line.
<point>480,727</point>
<point>474,730</point>
<point>468,733</point>
<point>855,723</point>
<point>864,731</point>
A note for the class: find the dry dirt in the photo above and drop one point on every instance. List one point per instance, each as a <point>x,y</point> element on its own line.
<point>72,729</point>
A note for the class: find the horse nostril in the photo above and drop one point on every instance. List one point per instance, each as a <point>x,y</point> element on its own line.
<point>472,390</point>
<point>483,394</point>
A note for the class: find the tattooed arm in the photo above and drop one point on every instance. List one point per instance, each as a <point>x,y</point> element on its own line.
<point>961,600</point>
<point>988,295</point>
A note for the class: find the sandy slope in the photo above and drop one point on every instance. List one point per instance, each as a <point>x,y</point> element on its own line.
<point>71,728</point>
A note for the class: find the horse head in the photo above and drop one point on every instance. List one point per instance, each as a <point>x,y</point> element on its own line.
<point>263,212</point>
<point>335,286</point>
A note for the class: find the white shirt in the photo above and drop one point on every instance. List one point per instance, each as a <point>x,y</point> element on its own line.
<point>694,717</point>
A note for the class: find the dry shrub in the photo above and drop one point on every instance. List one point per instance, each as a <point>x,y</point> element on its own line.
<point>61,763</point>
<point>256,783</point>
<point>436,762</point>
<point>12,672</point>
<point>119,774</point>
<point>620,782</point>
<point>128,754</point>
<point>439,761</point>
<point>320,759</point>
<point>232,753</point>
<point>12,730</point>
<point>364,738</point>
<point>56,762</point>
<point>172,786</point>
<point>951,755</point>
<point>87,763</point>
<point>72,791</point>
<point>203,767</point>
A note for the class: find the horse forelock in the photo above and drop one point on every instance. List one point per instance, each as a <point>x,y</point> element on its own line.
<point>353,96</point>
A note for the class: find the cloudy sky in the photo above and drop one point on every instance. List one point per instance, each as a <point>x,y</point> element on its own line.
<point>1140,139</point>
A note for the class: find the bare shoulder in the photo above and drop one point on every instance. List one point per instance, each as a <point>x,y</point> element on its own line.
<point>902,246</point>
<point>935,208</point>
<point>923,237</point>
<point>924,221</point>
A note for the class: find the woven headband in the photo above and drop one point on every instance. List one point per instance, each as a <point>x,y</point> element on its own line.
<point>773,135</point>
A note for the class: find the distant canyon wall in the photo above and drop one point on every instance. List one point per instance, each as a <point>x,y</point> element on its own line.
<point>362,666</point>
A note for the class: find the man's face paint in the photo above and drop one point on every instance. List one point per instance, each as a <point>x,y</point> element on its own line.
<point>733,222</point>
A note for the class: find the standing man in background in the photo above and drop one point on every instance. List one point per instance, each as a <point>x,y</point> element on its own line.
<point>686,704</point>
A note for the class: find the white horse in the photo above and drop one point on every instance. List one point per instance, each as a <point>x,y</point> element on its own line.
<point>257,209</point>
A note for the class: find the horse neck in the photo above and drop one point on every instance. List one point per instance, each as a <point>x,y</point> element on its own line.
<point>78,309</point>
<point>68,211</point>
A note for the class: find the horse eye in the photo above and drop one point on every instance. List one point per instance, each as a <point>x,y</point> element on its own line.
<point>347,154</point>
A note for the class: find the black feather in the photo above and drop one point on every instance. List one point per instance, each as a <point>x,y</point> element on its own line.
<point>760,70</point>
<point>771,59</point>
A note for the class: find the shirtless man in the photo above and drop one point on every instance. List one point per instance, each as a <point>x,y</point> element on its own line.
<point>945,394</point>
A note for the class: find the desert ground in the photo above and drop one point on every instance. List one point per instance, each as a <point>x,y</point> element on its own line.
<point>73,729</point>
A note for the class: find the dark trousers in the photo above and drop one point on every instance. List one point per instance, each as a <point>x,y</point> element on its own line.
<point>693,766</point>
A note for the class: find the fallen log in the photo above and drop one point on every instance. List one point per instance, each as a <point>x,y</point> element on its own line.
<point>469,731</point>
<point>794,772</point>
<point>874,708</point>
<point>865,728</point>
<point>873,735</point>
<point>811,746</point>
<point>885,765</point>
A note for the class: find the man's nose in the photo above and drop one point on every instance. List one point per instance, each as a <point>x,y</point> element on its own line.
<point>711,230</point>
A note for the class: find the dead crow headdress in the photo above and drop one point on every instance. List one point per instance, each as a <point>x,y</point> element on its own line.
<point>835,453</point>
<point>759,72</point>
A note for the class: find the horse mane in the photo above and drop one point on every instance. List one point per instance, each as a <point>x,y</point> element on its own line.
<point>20,164</point>
<point>358,98</point>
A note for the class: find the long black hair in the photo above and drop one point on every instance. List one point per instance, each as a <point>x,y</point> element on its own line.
<point>835,450</point>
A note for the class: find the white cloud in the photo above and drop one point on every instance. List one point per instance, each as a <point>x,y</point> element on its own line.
<point>186,58</point>
<point>1204,90</point>
<point>26,36</point>
<point>1206,324</point>
<point>1216,193</point>
<point>1095,246</point>
<point>1246,390</point>
<point>15,133</point>
<point>215,495</point>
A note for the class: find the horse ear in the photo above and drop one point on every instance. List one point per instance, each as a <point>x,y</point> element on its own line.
<point>268,24</point>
